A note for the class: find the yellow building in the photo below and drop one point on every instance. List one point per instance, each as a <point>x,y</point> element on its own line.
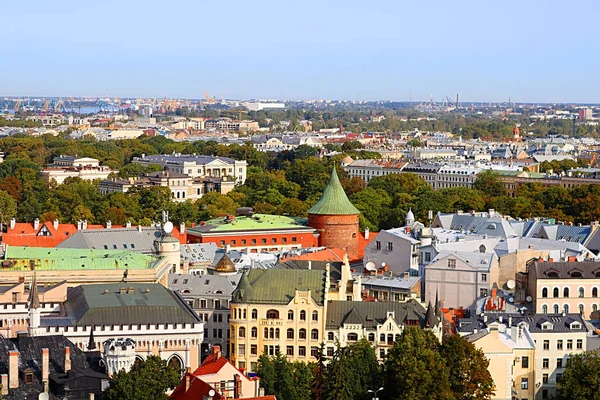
<point>278,310</point>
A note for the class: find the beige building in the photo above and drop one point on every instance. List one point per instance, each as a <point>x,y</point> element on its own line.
<point>84,168</point>
<point>527,353</point>
<point>557,287</point>
<point>278,310</point>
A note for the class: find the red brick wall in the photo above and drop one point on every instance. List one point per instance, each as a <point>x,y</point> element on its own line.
<point>339,231</point>
<point>303,239</point>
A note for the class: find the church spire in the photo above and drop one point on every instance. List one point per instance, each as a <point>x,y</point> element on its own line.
<point>92,342</point>
<point>34,297</point>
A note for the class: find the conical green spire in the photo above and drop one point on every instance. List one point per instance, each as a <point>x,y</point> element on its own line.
<point>334,200</point>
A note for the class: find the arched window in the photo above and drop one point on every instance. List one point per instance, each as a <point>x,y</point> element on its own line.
<point>254,332</point>
<point>594,307</point>
<point>271,333</point>
<point>566,292</point>
<point>290,333</point>
<point>581,309</point>
<point>555,309</point>
<point>581,292</point>
<point>595,292</point>
<point>254,314</point>
<point>242,332</point>
<point>276,333</point>
<point>302,315</point>
<point>290,315</point>
<point>175,361</point>
<point>390,338</point>
<point>315,316</point>
<point>314,334</point>
<point>545,292</point>
<point>555,292</point>
<point>352,337</point>
<point>482,249</point>
<point>371,337</point>
<point>544,309</point>
<point>566,308</point>
<point>302,334</point>
<point>382,338</point>
<point>266,333</point>
<point>272,314</point>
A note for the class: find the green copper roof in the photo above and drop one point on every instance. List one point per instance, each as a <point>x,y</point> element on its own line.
<point>255,222</point>
<point>278,286</point>
<point>334,200</point>
<point>53,259</point>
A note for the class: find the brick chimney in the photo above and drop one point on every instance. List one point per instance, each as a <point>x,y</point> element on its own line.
<point>45,368</point>
<point>55,224</point>
<point>13,369</point>
<point>4,378</point>
<point>36,224</point>
<point>67,359</point>
<point>237,388</point>
<point>217,350</point>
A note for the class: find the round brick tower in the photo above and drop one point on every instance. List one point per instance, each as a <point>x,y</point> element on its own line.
<point>335,218</point>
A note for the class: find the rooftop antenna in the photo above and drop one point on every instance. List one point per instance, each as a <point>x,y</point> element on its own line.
<point>165,216</point>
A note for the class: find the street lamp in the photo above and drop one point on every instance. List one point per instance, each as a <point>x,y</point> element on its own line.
<point>375,393</point>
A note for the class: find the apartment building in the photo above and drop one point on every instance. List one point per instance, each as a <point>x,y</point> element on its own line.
<point>84,168</point>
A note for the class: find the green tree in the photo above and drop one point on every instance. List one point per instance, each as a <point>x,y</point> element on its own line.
<point>148,379</point>
<point>488,182</point>
<point>365,369</point>
<point>8,207</point>
<point>338,384</point>
<point>415,370</point>
<point>469,375</point>
<point>581,379</point>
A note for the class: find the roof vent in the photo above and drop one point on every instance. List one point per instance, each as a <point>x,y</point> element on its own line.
<point>131,290</point>
<point>123,290</point>
<point>147,290</point>
<point>106,291</point>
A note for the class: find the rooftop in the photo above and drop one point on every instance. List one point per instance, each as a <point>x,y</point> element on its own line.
<point>334,200</point>
<point>249,223</point>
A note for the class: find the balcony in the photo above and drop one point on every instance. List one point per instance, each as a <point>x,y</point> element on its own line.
<point>271,322</point>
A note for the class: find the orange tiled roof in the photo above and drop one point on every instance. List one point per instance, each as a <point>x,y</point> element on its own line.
<point>198,390</point>
<point>329,254</point>
<point>363,242</point>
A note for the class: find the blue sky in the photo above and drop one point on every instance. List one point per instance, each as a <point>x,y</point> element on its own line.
<point>545,51</point>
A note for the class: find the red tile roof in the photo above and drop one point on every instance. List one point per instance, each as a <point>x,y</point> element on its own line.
<point>211,365</point>
<point>363,242</point>
<point>197,390</point>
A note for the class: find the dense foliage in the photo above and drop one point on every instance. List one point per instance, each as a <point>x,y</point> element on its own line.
<point>581,379</point>
<point>417,368</point>
<point>148,379</point>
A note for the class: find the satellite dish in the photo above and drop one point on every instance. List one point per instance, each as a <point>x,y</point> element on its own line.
<point>168,227</point>
<point>211,392</point>
<point>511,300</point>
<point>43,396</point>
<point>370,266</point>
<point>383,264</point>
<point>529,299</point>
<point>510,284</point>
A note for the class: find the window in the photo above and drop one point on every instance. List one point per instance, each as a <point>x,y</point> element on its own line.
<point>254,314</point>
<point>546,363</point>
<point>525,362</point>
<point>276,333</point>
<point>546,345</point>
<point>302,334</point>
<point>330,351</point>
<point>315,316</point>
<point>302,315</point>
<point>242,332</point>
<point>545,378</point>
<point>274,240</point>
<point>218,304</point>
<point>390,246</point>
<point>381,353</point>
<point>545,292</point>
<point>290,315</point>
<point>242,349</point>
<point>555,309</point>
<point>294,240</point>
<point>263,240</point>
<point>483,292</point>
<point>290,333</point>
<point>524,383</point>
<point>253,241</point>
<point>266,333</point>
<point>302,351</point>
<point>28,377</point>
<point>483,277</point>
<point>570,344</point>
<point>451,263</point>
<point>566,308</point>
<point>378,245</point>
<point>371,337</point>
<point>581,292</point>
<point>272,314</point>
<point>330,336</point>
<point>545,309</point>
<point>352,337</point>
<point>566,292</point>
<point>555,292</point>
<point>243,241</point>
<point>595,292</point>
<point>314,334</point>
<point>289,351</point>
<point>254,332</point>
<point>283,240</point>
<point>559,378</point>
<point>559,344</point>
<point>427,256</point>
<point>581,309</point>
<point>559,363</point>
<point>579,344</point>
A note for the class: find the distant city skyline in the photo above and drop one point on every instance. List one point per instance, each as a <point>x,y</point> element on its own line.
<point>535,51</point>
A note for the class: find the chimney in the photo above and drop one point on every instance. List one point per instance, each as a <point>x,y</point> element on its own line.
<point>509,321</point>
<point>237,388</point>
<point>92,396</point>
<point>550,259</point>
<point>55,224</point>
<point>79,225</point>
<point>108,224</point>
<point>84,225</point>
<point>408,230</point>
<point>188,381</point>
<point>309,264</point>
<point>4,384</point>
<point>367,233</point>
<point>67,359</point>
<point>491,212</point>
<point>13,222</point>
<point>128,224</point>
<point>139,228</point>
<point>45,368</point>
<point>406,275</point>
<point>13,369</point>
<point>217,351</point>
<point>494,292</point>
<point>36,224</point>
<point>182,227</point>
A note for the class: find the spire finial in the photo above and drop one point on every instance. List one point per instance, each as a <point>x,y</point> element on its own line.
<point>34,298</point>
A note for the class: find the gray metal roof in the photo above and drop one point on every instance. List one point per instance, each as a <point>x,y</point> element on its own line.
<point>181,158</point>
<point>371,314</point>
<point>479,260</point>
<point>564,270</point>
<point>560,323</point>
<point>199,252</point>
<point>124,304</point>
<point>203,285</point>
<point>114,238</point>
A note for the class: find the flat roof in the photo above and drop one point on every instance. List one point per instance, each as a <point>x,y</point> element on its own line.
<point>253,223</point>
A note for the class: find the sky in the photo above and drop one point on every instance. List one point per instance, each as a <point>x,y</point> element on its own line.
<point>528,50</point>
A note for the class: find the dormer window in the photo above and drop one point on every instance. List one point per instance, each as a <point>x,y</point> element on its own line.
<point>575,325</point>
<point>575,274</point>
<point>547,326</point>
<point>552,274</point>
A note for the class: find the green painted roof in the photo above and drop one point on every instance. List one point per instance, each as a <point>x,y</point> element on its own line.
<point>127,303</point>
<point>278,286</point>
<point>334,200</point>
<point>255,222</point>
<point>52,259</point>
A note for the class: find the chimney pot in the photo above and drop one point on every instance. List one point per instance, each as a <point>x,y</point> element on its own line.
<point>217,351</point>
<point>36,224</point>
<point>4,378</point>
<point>45,368</point>
<point>13,223</point>
<point>55,224</point>
<point>67,359</point>
<point>13,369</point>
